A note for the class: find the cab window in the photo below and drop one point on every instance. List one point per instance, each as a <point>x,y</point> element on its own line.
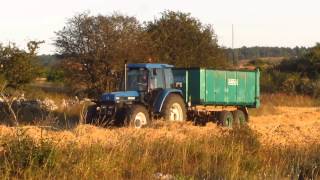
<point>157,79</point>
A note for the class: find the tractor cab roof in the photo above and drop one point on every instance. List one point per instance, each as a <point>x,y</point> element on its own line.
<point>149,65</point>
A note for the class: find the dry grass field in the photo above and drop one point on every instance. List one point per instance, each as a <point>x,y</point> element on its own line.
<point>282,140</point>
<point>288,126</point>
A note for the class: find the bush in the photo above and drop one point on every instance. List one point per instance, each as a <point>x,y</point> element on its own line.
<point>17,66</point>
<point>55,75</point>
<point>294,76</point>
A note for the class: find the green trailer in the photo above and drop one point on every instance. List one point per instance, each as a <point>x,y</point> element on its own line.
<point>219,87</point>
<point>221,92</point>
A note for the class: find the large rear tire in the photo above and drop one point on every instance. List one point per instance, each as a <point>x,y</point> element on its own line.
<point>174,108</point>
<point>138,116</point>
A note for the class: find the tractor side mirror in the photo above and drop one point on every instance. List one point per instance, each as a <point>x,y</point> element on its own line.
<point>154,72</point>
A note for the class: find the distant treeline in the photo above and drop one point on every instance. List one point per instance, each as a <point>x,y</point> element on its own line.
<point>261,52</point>
<point>48,60</point>
<point>295,75</point>
<point>239,53</point>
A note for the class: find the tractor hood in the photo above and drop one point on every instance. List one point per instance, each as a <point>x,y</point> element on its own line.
<point>120,96</point>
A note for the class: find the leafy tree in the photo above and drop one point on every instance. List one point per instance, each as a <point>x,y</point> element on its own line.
<point>96,47</point>
<point>17,66</point>
<point>308,65</point>
<point>184,41</point>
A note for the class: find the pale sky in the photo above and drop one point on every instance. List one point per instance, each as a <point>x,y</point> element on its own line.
<point>285,23</point>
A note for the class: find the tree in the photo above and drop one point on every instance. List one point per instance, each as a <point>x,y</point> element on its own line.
<point>295,75</point>
<point>95,49</point>
<point>17,66</point>
<point>307,65</point>
<point>184,41</point>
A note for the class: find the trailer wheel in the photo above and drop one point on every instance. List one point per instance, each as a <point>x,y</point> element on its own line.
<point>138,116</point>
<point>226,119</point>
<point>174,108</point>
<point>239,117</point>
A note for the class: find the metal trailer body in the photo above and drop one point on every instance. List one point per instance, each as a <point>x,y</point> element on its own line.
<point>210,87</point>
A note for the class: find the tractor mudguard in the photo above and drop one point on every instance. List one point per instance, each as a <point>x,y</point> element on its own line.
<point>162,97</point>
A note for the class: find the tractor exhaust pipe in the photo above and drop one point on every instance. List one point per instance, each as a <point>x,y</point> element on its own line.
<point>125,75</point>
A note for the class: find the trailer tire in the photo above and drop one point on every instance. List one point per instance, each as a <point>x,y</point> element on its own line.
<point>239,118</point>
<point>174,108</point>
<point>226,119</point>
<point>138,116</point>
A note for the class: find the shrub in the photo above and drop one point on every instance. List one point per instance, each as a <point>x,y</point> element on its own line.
<point>55,75</point>
<point>294,76</point>
<point>22,153</point>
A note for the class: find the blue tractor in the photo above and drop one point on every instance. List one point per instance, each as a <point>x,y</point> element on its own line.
<point>148,93</point>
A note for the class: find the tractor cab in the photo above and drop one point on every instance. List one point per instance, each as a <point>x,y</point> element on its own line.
<point>142,82</point>
<point>147,77</point>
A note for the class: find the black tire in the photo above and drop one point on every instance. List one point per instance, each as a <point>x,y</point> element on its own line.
<point>137,116</point>
<point>239,118</point>
<point>174,101</point>
<point>121,117</point>
<point>91,115</point>
<point>225,119</point>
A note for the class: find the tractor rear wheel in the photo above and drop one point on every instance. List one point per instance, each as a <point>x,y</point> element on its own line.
<point>226,119</point>
<point>174,108</point>
<point>138,116</point>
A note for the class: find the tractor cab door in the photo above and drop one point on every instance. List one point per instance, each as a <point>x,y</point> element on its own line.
<point>160,79</point>
<point>156,84</point>
<point>157,80</point>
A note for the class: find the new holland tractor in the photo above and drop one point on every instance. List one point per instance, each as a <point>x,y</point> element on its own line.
<point>148,93</point>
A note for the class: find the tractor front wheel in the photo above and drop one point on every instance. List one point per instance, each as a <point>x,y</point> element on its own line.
<point>91,114</point>
<point>138,116</point>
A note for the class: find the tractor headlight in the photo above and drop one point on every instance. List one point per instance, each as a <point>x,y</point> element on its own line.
<point>131,98</point>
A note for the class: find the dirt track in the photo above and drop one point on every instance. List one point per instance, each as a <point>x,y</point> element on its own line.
<point>289,126</point>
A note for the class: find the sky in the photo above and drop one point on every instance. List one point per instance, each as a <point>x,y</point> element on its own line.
<point>285,23</point>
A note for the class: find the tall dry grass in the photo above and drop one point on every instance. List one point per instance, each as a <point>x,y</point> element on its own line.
<point>236,155</point>
<point>269,102</point>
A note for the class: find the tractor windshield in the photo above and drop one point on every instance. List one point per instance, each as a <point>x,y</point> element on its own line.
<point>137,79</point>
